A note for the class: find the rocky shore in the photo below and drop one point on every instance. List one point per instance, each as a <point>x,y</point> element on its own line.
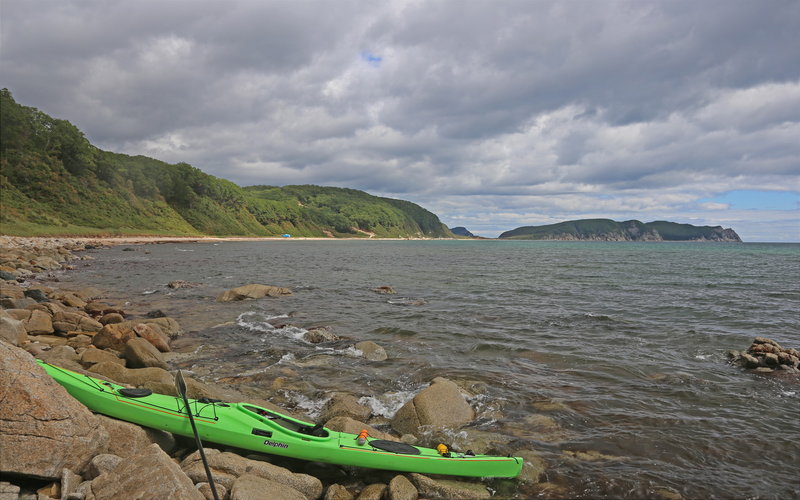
<point>51,446</point>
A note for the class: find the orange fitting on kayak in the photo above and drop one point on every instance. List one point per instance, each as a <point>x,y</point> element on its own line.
<point>442,449</point>
<point>362,437</point>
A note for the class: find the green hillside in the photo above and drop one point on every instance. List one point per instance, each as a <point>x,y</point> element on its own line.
<point>632,230</point>
<point>54,182</point>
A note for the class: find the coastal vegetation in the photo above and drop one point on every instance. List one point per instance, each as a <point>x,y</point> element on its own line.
<point>632,230</point>
<point>53,181</point>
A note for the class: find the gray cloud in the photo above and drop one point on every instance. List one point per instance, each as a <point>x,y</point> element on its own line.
<point>492,114</point>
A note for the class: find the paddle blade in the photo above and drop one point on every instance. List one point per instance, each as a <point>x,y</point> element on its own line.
<point>180,384</point>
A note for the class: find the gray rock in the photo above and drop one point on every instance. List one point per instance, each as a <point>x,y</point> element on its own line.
<point>38,414</point>
<point>439,405</point>
<point>69,482</point>
<point>37,294</point>
<point>372,351</point>
<point>142,354</point>
<point>749,361</point>
<point>319,335</point>
<point>8,491</point>
<point>150,474</point>
<point>400,488</point>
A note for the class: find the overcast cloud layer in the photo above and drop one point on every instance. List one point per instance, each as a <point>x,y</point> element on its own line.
<point>492,114</point>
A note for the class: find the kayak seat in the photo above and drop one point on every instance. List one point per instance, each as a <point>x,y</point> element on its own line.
<point>134,392</point>
<point>394,447</point>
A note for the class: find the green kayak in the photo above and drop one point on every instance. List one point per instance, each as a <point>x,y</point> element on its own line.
<point>255,428</point>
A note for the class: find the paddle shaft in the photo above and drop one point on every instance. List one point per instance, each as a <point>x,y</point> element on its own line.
<point>181,386</point>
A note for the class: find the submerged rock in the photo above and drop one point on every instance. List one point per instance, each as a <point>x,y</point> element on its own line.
<point>253,291</point>
<point>766,356</point>
<point>372,351</point>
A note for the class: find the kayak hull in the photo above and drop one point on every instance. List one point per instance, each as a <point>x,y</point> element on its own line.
<point>258,429</point>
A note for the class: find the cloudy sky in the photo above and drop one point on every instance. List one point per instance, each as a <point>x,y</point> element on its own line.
<point>492,114</point>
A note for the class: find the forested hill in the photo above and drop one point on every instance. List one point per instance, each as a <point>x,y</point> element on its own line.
<point>54,182</point>
<point>632,230</point>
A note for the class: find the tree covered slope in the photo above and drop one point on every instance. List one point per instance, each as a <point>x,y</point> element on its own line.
<point>632,230</point>
<point>53,181</point>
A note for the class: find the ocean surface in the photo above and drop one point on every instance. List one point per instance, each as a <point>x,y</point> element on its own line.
<point>609,359</point>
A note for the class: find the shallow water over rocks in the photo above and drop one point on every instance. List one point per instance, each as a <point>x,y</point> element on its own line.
<point>607,358</point>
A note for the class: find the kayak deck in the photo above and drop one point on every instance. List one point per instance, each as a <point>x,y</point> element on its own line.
<point>252,427</point>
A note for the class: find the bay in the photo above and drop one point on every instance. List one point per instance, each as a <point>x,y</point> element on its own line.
<point>609,359</point>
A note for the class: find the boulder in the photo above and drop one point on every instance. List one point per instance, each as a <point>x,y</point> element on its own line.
<point>149,474</point>
<point>91,357</point>
<point>372,492</point>
<point>400,488</point>
<point>142,354</point>
<point>338,492</point>
<point>69,299</point>
<point>8,491</point>
<point>347,424</point>
<point>63,356</point>
<point>38,322</point>
<point>205,490</point>
<point>252,291</point>
<point>11,291</point>
<point>447,488</point>
<point>114,336</point>
<point>12,330</point>
<point>111,318</point>
<point>250,486</point>
<point>319,335</point>
<point>102,463</point>
<point>169,326</point>
<point>38,414</point>
<point>137,377</point>
<point>127,439</point>
<point>153,334</point>
<point>37,294</point>
<point>69,482</point>
<point>344,404</point>
<point>439,405</point>
<point>64,322</point>
<point>372,351</point>
<point>533,468</point>
<point>226,467</point>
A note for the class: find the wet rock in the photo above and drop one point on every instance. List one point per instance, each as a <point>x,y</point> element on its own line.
<point>771,359</point>
<point>384,290</point>
<point>253,291</point>
<point>114,336</point>
<point>157,313</point>
<point>38,414</point>
<point>533,467</point>
<point>249,486</point>
<point>226,467</point>
<point>372,351</point>
<point>142,354</point>
<point>91,357</point>
<point>765,356</point>
<point>169,326</point>
<point>338,492</point>
<point>153,334</point>
<point>36,294</point>
<point>150,474</point>
<point>347,424</point>
<point>749,361</point>
<point>12,330</point>
<point>590,456</point>
<point>183,284</point>
<point>320,334</point>
<point>373,492</point>
<point>439,405</point>
<point>7,275</point>
<point>400,488</point>
<point>446,488</point>
<point>343,404</point>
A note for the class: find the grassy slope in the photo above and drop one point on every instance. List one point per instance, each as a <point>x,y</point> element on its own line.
<point>55,182</point>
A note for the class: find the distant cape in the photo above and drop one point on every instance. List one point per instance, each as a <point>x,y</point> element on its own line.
<point>632,230</point>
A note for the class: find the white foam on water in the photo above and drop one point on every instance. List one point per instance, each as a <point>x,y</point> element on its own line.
<point>312,407</point>
<point>260,322</point>
<point>149,292</point>
<point>287,359</point>
<point>386,405</point>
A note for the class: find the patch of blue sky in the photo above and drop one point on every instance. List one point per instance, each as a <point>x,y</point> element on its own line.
<point>371,59</point>
<point>747,199</point>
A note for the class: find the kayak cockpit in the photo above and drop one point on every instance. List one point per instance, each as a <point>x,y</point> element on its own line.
<point>288,423</point>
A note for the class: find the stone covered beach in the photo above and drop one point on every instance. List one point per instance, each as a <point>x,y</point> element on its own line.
<point>53,446</point>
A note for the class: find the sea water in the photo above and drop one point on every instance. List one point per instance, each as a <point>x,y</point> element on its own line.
<point>609,359</point>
